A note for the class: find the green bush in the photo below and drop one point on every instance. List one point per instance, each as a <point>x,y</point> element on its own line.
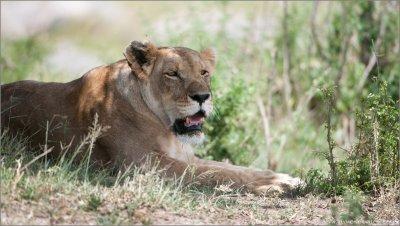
<point>373,162</point>
<point>227,127</point>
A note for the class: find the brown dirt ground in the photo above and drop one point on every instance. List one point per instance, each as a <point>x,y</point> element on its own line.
<point>248,209</point>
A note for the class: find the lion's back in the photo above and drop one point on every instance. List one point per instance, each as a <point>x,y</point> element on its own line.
<point>15,97</point>
<point>35,107</point>
<point>22,97</point>
<point>19,89</point>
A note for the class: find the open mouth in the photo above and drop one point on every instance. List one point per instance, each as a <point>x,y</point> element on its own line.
<point>190,124</point>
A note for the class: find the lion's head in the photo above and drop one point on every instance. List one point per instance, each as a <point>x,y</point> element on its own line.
<point>175,84</point>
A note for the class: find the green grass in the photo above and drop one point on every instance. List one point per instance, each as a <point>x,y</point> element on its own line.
<point>93,202</point>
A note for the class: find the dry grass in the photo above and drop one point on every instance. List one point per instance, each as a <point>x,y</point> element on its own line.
<point>145,199</point>
<point>60,192</point>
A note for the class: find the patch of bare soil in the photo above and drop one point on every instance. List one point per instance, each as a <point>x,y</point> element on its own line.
<point>246,209</point>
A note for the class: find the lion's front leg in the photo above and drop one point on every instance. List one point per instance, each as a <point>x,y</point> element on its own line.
<point>212,173</point>
<point>257,181</point>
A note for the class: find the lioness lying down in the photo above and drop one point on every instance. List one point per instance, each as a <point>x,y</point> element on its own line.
<point>154,103</point>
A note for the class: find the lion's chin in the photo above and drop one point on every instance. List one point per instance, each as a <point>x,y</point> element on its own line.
<point>193,138</point>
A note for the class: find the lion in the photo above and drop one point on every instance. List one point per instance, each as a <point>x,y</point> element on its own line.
<point>154,103</point>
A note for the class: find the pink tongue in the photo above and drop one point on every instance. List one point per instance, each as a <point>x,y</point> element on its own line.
<point>193,120</point>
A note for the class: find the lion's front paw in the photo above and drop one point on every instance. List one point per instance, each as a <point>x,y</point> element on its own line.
<point>289,181</point>
<point>269,190</point>
<point>281,184</point>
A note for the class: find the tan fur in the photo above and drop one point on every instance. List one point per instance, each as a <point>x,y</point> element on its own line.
<point>139,102</point>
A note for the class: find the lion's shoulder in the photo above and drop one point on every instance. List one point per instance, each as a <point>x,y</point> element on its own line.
<point>98,87</point>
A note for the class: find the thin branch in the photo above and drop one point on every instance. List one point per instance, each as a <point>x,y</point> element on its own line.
<point>343,54</point>
<point>314,33</point>
<point>37,158</point>
<point>267,132</point>
<point>373,58</point>
<point>286,60</point>
<point>374,153</point>
<point>342,62</point>
<point>329,98</point>
<point>265,120</point>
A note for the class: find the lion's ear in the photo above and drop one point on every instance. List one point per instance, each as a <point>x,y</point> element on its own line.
<point>209,55</point>
<point>141,57</point>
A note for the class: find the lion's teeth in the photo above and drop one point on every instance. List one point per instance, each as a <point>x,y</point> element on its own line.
<point>187,122</point>
<point>191,121</point>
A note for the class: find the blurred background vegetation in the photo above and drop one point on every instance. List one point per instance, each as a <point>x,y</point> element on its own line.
<point>287,73</point>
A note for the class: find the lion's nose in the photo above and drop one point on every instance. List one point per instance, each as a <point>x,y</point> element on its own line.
<point>200,97</point>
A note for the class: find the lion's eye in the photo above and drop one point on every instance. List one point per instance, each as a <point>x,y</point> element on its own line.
<point>205,73</point>
<point>172,74</point>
